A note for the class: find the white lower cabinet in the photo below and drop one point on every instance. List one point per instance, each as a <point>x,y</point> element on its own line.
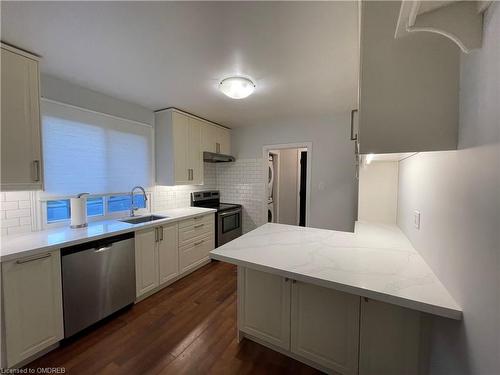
<point>334,331</point>
<point>314,323</point>
<point>146,261</point>
<point>168,253</point>
<point>393,340</point>
<point>156,257</point>
<point>32,303</point>
<point>325,326</point>
<point>264,306</point>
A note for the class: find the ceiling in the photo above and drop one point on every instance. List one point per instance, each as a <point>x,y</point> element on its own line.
<point>303,56</point>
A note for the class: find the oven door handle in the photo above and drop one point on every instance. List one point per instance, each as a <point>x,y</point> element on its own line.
<point>229,213</point>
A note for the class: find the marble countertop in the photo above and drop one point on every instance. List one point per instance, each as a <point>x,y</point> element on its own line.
<point>22,245</point>
<point>376,261</point>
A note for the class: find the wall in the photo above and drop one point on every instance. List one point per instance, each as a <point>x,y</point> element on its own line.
<point>333,185</point>
<point>288,187</point>
<point>378,192</point>
<point>458,195</point>
<point>62,91</point>
<point>16,212</point>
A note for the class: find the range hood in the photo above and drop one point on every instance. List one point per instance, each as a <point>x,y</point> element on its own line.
<point>212,157</point>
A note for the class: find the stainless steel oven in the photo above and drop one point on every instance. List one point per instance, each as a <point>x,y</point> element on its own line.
<point>228,225</point>
<point>227,219</point>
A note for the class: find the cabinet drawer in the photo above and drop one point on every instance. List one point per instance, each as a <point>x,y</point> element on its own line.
<point>195,252</point>
<point>193,233</point>
<point>196,220</point>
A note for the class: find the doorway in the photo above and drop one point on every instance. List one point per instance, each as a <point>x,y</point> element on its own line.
<point>287,183</point>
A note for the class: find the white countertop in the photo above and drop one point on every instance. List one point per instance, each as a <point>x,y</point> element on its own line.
<point>22,245</point>
<point>376,261</point>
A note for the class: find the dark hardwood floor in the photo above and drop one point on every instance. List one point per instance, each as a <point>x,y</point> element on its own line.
<point>187,328</point>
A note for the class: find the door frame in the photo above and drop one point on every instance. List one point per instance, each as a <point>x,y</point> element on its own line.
<point>265,155</point>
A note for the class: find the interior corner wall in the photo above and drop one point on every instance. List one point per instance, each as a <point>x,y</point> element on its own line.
<point>333,195</point>
<point>458,196</point>
<point>378,192</point>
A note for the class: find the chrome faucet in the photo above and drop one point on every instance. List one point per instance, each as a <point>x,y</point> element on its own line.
<point>133,208</point>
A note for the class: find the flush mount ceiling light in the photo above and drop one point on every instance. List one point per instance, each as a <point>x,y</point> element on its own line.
<point>236,87</point>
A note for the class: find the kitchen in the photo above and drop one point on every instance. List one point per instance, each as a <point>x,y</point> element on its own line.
<point>135,187</point>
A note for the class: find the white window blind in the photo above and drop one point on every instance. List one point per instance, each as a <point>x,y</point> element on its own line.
<point>85,151</point>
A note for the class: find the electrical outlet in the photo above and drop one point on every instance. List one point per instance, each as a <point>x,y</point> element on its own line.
<point>416,219</point>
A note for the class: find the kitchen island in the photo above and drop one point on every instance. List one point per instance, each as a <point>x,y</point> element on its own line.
<point>339,301</point>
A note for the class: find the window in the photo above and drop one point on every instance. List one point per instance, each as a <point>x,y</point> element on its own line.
<point>123,202</point>
<point>95,206</point>
<point>85,151</point>
<point>60,210</point>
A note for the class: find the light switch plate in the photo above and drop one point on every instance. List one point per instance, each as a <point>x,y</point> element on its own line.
<point>416,219</point>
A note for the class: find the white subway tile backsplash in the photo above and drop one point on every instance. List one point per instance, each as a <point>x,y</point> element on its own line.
<point>243,182</point>
<point>4,206</point>
<point>15,212</point>
<point>17,196</point>
<point>26,212</point>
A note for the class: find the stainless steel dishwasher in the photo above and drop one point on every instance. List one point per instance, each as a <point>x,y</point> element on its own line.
<point>98,280</point>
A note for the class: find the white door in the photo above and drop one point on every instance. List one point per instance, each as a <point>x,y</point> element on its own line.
<point>180,130</point>
<point>325,326</point>
<point>32,305</point>
<point>146,261</point>
<point>195,154</point>
<point>168,253</point>
<point>21,164</point>
<point>264,306</point>
<point>392,340</point>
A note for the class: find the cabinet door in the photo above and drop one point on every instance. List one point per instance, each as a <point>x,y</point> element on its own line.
<point>32,305</point>
<point>392,341</point>
<point>181,142</point>
<point>223,141</point>
<point>21,161</point>
<point>208,137</point>
<point>264,306</point>
<point>195,153</point>
<point>168,253</point>
<point>146,261</point>
<point>408,94</point>
<point>325,326</point>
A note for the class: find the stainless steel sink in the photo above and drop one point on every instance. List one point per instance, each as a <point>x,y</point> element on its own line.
<point>143,219</point>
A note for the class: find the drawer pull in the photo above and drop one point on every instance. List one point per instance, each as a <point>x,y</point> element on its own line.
<point>199,226</point>
<point>26,260</point>
<point>36,170</point>
<point>198,243</point>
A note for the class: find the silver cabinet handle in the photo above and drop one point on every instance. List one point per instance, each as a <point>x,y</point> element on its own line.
<point>26,260</point>
<point>286,279</point>
<point>198,243</point>
<point>190,174</point>
<point>156,234</point>
<point>36,170</point>
<point>294,281</point>
<point>102,249</point>
<point>198,226</point>
<point>161,233</point>
<point>217,148</point>
<point>198,217</point>
<point>353,137</point>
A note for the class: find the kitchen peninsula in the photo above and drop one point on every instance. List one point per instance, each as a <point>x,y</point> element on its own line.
<point>322,296</point>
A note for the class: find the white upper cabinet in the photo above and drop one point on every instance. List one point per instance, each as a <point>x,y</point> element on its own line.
<point>21,156</point>
<point>178,149</point>
<point>216,139</point>
<point>223,143</point>
<point>180,140</point>
<point>408,89</point>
